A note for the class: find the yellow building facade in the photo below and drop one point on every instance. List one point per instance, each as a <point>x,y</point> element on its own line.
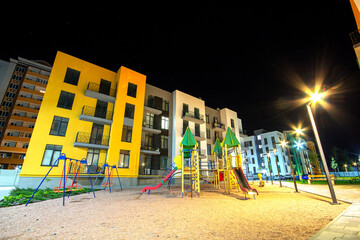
<point>87,112</point>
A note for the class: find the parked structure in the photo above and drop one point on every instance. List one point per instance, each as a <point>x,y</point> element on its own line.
<point>22,87</point>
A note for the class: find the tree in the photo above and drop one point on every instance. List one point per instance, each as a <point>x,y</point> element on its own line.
<point>334,165</point>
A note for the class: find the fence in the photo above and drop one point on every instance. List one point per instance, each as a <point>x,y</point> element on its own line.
<point>9,177</point>
<point>345,174</point>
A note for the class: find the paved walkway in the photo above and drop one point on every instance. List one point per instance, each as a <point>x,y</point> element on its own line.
<point>347,224</point>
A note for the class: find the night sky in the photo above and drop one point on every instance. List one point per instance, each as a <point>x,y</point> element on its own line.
<point>245,57</point>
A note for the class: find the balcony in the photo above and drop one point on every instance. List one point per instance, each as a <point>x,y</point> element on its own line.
<point>90,114</point>
<point>13,149</point>
<point>219,127</point>
<point>151,128</point>
<point>198,135</point>
<point>193,117</point>
<point>149,149</point>
<point>151,107</point>
<point>96,91</point>
<point>16,139</point>
<point>86,140</point>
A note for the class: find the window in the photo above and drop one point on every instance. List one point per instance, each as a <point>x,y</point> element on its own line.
<point>124,158</point>
<point>196,113</point>
<point>165,105</point>
<point>185,109</point>
<point>265,141</point>
<point>164,122</point>
<point>232,123</point>
<point>273,139</point>
<point>185,125</point>
<point>207,118</point>
<point>164,141</point>
<point>252,151</point>
<point>208,136</point>
<point>132,90</point>
<point>163,162</point>
<point>208,147</point>
<point>66,100</point>
<point>129,111</point>
<point>59,126</point>
<point>253,160</point>
<point>149,120</point>
<point>72,76</point>
<point>259,137</point>
<point>52,152</point>
<point>92,156</point>
<point>126,134</point>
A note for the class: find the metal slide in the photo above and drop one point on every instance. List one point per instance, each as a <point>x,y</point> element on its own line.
<point>244,184</point>
<point>160,183</point>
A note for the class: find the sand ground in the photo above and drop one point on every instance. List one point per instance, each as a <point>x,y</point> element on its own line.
<point>277,213</point>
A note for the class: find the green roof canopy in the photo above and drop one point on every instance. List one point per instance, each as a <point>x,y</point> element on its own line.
<point>188,140</point>
<point>217,147</point>
<point>230,139</point>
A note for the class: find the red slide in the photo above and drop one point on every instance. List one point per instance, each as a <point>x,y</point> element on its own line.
<point>160,183</point>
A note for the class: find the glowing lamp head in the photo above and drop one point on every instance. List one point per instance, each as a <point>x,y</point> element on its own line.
<point>283,144</point>
<point>316,97</point>
<point>299,144</point>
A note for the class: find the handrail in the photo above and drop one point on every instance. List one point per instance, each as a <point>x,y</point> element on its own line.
<point>90,111</point>
<point>83,137</point>
<point>96,88</point>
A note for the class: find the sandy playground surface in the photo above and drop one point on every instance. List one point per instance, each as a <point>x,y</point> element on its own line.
<point>277,213</point>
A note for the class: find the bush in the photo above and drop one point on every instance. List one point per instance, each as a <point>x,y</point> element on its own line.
<point>20,196</point>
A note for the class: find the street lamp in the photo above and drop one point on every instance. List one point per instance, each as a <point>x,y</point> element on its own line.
<point>357,170</point>
<point>277,167</point>
<point>284,144</point>
<point>268,158</point>
<point>316,97</point>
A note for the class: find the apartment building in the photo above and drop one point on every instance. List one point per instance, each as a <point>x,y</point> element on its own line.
<point>117,118</point>
<point>22,87</point>
<point>156,132</point>
<point>87,112</point>
<point>263,149</point>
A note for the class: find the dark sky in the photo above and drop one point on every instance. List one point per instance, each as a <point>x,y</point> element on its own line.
<point>238,56</point>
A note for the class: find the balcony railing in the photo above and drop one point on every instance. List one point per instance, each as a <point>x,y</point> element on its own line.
<point>91,111</point>
<point>193,115</point>
<point>97,88</point>
<point>154,125</point>
<point>219,125</point>
<point>355,37</point>
<point>149,147</point>
<point>150,102</point>
<point>82,137</point>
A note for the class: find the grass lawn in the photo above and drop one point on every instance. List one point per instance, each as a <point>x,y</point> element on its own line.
<point>338,181</point>
<point>20,196</point>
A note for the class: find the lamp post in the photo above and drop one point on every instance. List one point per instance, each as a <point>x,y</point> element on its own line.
<point>357,169</point>
<point>268,157</point>
<point>314,98</point>
<point>277,166</point>
<point>283,144</point>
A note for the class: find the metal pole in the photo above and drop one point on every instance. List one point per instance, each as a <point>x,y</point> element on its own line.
<point>291,165</point>
<point>277,167</point>
<point>322,155</point>
<point>268,157</point>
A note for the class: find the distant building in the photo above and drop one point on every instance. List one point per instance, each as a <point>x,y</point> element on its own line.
<point>22,87</point>
<point>264,149</point>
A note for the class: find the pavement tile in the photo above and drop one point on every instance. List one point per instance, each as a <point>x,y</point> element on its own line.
<point>352,237</point>
<point>325,235</point>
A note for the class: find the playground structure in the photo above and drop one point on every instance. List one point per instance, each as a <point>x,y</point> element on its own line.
<point>73,165</point>
<point>226,167</point>
<point>108,181</point>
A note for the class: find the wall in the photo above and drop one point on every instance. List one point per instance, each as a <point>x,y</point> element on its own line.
<point>177,129</point>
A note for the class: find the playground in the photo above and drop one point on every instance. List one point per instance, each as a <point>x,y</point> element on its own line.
<point>278,213</point>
